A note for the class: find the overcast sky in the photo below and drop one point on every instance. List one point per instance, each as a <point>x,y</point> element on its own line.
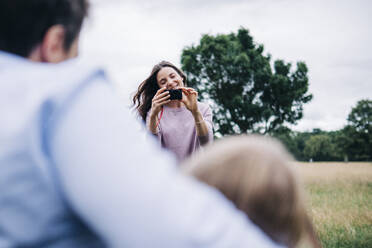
<point>332,37</point>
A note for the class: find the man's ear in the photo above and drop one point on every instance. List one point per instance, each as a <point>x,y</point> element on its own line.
<point>52,48</point>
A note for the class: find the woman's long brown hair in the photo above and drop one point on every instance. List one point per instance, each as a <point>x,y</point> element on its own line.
<point>142,99</point>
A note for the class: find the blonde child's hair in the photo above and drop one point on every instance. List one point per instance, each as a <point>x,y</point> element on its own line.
<point>255,173</point>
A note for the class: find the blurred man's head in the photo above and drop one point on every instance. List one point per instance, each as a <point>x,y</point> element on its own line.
<point>41,30</point>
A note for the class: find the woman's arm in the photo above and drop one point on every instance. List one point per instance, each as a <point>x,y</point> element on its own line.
<point>161,97</point>
<point>202,129</point>
<point>151,122</point>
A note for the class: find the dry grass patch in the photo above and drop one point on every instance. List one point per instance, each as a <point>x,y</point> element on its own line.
<point>340,201</point>
<point>335,171</point>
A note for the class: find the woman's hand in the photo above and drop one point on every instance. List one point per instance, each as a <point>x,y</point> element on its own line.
<point>189,98</point>
<point>161,98</point>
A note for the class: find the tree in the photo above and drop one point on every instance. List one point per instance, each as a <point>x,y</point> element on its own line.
<point>360,116</point>
<point>320,147</point>
<point>288,138</point>
<point>340,141</point>
<point>247,93</point>
<point>358,144</point>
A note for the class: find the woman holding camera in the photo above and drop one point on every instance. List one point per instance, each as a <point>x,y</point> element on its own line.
<point>171,111</point>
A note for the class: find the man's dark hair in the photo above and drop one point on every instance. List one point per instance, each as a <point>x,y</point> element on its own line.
<point>24,23</point>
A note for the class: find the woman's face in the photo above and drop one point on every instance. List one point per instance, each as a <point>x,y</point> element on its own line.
<point>169,78</point>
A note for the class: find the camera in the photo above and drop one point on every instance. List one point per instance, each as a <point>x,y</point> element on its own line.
<point>175,94</point>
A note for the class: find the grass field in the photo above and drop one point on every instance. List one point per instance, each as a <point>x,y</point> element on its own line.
<point>340,202</point>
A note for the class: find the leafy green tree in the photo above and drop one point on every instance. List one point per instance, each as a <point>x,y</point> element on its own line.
<point>247,93</point>
<point>320,147</point>
<point>361,117</point>
<point>300,139</point>
<point>288,138</point>
<point>340,141</point>
<point>358,133</point>
<point>345,141</point>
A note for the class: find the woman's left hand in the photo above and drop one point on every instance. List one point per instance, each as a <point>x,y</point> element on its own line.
<point>190,99</point>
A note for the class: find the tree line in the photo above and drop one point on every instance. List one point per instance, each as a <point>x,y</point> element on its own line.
<point>251,94</point>
<point>351,143</point>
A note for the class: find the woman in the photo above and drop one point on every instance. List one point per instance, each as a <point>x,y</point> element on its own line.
<point>256,174</point>
<point>181,126</point>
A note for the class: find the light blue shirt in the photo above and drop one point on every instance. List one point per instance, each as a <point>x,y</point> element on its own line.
<point>75,172</point>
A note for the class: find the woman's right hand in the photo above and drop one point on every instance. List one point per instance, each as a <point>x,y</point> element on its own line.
<point>161,98</point>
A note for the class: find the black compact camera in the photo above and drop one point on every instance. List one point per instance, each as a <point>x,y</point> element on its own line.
<point>175,94</point>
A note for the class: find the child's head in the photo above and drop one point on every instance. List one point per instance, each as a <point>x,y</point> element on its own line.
<point>254,172</point>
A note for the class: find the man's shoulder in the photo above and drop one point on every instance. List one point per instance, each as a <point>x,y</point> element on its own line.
<point>57,80</point>
<point>40,78</point>
<point>27,86</point>
<point>69,74</point>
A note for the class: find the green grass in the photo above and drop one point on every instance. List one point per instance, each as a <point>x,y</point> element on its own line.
<point>342,213</point>
<point>340,236</point>
<point>340,204</point>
